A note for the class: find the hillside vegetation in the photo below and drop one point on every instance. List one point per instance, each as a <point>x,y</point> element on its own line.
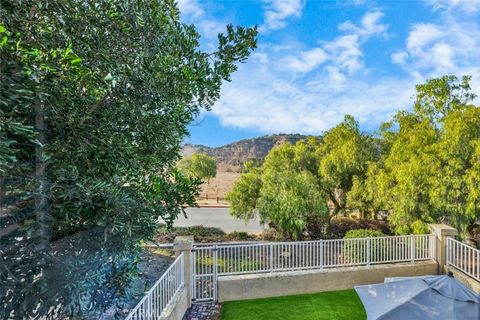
<point>230,157</point>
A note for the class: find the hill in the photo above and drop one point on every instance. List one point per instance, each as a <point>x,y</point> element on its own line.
<point>231,156</point>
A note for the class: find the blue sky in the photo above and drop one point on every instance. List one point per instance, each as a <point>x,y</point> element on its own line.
<point>319,60</point>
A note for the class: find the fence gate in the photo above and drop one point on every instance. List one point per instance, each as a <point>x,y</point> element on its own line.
<point>205,269</point>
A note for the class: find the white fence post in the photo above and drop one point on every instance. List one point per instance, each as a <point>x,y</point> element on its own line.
<point>215,272</point>
<point>368,251</point>
<point>321,254</point>
<point>185,245</point>
<point>412,249</point>
<point>271,257</point>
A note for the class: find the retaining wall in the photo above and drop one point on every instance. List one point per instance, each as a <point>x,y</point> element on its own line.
<point>177,307</point>
<point>242,287</point>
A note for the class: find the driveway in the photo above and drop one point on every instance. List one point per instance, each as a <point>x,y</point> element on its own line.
<point>217,217</point>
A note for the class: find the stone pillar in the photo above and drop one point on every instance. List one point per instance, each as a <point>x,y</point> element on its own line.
<point>185,245</point>
<point>441,233</point>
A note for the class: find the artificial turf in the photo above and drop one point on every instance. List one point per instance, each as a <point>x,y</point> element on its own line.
<point>333,305</point>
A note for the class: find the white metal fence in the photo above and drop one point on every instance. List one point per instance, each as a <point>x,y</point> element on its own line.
<point>463,258</point>
<point>162,293</point>
<point>211,262</point>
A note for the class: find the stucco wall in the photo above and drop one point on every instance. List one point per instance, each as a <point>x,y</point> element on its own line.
<point>177,308</point>
<point>289,283</point>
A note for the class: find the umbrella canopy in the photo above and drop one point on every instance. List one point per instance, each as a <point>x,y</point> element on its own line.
<point>429,297</point>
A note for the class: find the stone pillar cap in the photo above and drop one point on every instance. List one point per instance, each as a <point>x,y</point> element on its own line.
<point>442,229</point>
<point>183,243</point>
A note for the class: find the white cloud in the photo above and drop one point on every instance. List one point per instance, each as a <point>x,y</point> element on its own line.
<point>421,35</point>
<point>306,61</point>
<point>400,57</point>
<point>466,6</point>
<point>270,102</point>
<point>192,12</point>
<point>289,87</point>
<point>190,8</point>
<point>448,46</point>
<point>278,11</point>
<point>275,100</point>
<point>369,25</point>
<point>345,52</point>
<point>442,55</point>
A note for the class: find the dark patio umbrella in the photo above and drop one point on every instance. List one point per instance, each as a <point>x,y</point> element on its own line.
<point>425,298</point>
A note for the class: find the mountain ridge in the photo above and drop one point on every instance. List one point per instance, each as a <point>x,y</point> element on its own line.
<point>231,156</point>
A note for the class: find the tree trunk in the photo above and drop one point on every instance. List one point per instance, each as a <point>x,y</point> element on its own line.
<point>336,206</point>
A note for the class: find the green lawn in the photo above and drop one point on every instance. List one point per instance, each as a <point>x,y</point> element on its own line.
<point>333,305</point>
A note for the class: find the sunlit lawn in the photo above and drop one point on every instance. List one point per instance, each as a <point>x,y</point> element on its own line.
<point>333,305</point>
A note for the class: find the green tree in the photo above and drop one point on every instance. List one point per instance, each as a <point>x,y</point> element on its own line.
<point>289,199</point>
<point>246,191</point>
<point>428,171</point>
<point>284,191</point>
<point>454,192</point>
<point>199,165</point>
<point>95,100</point>
<point>343,156</point>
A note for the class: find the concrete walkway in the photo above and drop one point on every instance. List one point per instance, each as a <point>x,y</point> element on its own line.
<point>219,218</point>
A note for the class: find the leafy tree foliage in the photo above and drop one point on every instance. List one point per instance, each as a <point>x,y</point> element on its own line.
<point>95,99</point>
<point>343,154</point>
<point>422,168</point>
<point>244,196</point>
<point>199,165</point>
<point>284,191</point>
<point>429,168</point>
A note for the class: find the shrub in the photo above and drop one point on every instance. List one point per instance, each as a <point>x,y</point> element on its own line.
<point>363,233</point>
<point>238,236</point>
<point>339,227</point>
<point>203,234</point>
<point>316,226</point>
<point>271,234</point>
<point>199,233</point>
<point>356,251</point>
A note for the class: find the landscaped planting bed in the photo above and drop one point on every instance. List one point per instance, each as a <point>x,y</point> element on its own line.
<point>333,305</point>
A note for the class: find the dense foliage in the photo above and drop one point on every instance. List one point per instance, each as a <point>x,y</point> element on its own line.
<point>95,99</point>
<point>203,234</point>
<point>429,170</point>
<point>294,186</point>
<point>363,233</point>
<point>199,165</point>
<point>283,191</point>
<point>422,167</point>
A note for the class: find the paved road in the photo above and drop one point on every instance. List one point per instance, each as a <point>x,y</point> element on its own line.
<point>217,217</point>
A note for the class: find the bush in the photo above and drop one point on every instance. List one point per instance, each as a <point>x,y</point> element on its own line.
<point>199,233</point>
<point>363,233</point>
<point>239,236</point>
<point>339,227</point>
<point>356,251</point>
<point>203,234</point>
<point>271,234</point>
<point>316,226</point>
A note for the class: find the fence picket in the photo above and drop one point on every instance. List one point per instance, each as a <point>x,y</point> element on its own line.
<point>463,258</point>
